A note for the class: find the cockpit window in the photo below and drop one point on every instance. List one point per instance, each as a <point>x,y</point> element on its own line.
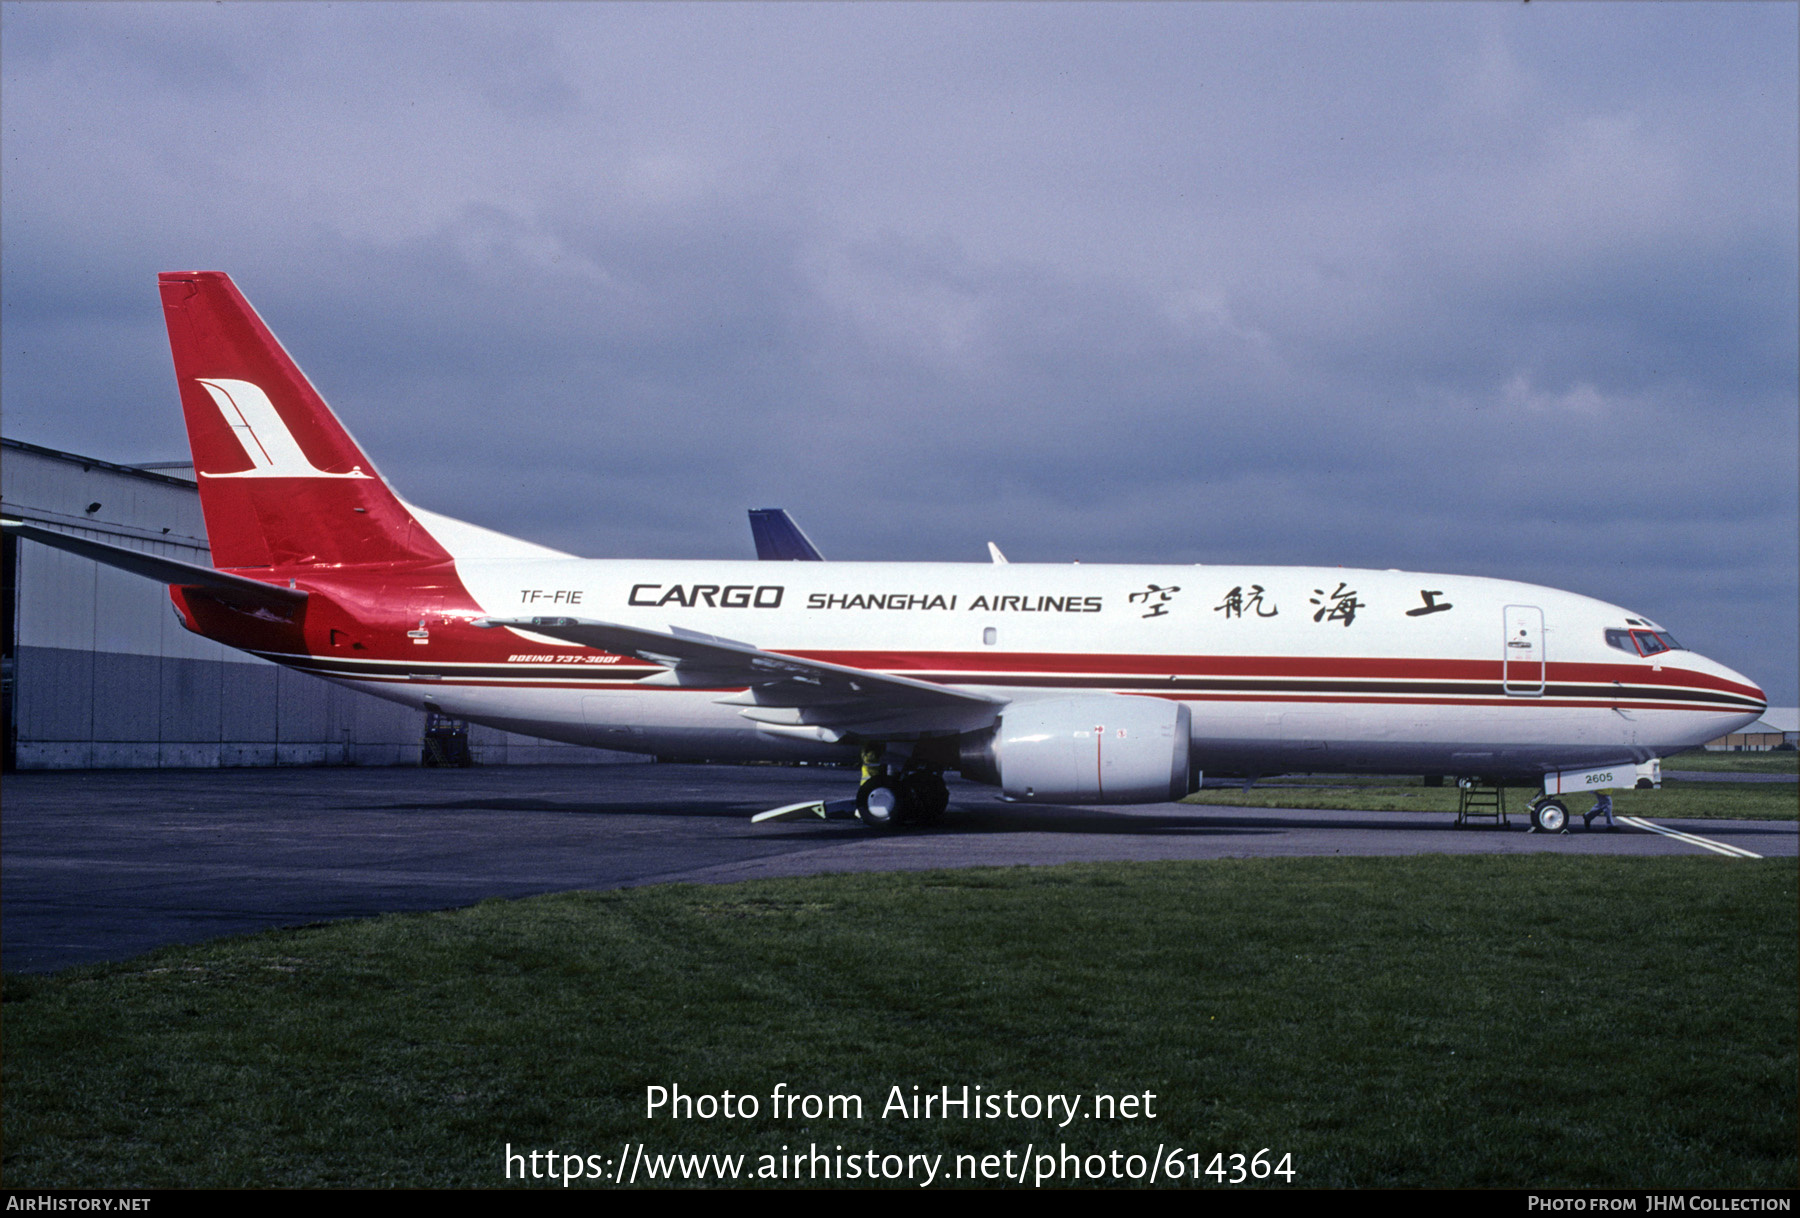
<point>1643,642</point>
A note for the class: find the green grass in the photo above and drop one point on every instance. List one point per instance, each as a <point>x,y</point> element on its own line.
<point>1455,1021</point>
<point>1783,762</point>
<point>1677,800</point>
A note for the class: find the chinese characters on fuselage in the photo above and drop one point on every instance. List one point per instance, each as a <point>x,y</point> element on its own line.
<point>1340,606</point>
<point>1431,604</point>
<point>1236,603</point>
<point>1155,598</point>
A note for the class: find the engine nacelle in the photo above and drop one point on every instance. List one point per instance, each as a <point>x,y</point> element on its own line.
<point>1102,749</point>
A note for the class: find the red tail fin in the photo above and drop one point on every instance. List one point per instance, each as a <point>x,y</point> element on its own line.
<point>281,481</point>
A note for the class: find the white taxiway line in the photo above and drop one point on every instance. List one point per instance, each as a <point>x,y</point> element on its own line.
<point>1736,852</point>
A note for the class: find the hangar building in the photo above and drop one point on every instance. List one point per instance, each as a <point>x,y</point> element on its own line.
<point>98,672</point>
<point>1779,728</point>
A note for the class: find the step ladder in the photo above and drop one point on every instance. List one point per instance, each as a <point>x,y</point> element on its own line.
<point>1479,803</point>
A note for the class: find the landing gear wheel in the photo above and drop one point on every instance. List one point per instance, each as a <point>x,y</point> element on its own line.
<point>926,794</point>
<point>1549,816</point>
<point>881,803</point>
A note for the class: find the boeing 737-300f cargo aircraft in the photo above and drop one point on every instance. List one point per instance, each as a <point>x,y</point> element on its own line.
<point>1058,684</point>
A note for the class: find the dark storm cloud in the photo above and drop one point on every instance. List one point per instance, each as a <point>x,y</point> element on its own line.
<point>1508,291</point>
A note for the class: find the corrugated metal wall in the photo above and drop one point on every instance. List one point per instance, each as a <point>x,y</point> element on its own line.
<point>103,675</point>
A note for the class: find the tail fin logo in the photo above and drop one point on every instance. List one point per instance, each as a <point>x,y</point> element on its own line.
<point>267,441</point>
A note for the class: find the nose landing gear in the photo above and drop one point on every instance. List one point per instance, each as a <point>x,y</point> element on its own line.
<point>1549,816</point>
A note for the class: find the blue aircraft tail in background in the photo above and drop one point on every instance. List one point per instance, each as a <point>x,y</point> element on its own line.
<point>779,539</point>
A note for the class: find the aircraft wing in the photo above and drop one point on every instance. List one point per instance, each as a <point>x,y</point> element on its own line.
<point>222,585</point>
<point>781,691</point>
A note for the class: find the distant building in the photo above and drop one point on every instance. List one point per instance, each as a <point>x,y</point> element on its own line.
<point>1779,727</point>
<point>98,673</point>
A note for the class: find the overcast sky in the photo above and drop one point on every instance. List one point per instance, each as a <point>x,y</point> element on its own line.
<point>1498,289</point>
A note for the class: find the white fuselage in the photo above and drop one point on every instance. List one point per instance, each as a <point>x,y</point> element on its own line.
<point>1282,668</point>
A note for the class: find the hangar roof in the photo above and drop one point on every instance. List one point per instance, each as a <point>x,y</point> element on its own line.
<point>153,470</point>
<point>1778,718</point>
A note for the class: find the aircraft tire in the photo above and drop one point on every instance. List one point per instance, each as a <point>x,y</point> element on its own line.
<point>882,803</point>
<point>1550,816</point>
<point>927,795</point>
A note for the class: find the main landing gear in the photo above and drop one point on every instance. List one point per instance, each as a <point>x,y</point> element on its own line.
<point>915,796</point>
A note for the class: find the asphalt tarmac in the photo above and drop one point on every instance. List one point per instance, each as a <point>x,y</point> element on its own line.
<point>103,865</point>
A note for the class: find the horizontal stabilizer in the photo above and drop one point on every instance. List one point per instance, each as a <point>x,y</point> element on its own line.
<point>233,589</point>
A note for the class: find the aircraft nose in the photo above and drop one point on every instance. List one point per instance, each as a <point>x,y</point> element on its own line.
<point>1739,683</point>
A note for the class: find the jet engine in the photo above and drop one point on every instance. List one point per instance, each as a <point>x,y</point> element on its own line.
<point>1099,749</point>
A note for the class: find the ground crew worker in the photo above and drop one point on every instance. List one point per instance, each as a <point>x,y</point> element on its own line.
<point>1602,807</point>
